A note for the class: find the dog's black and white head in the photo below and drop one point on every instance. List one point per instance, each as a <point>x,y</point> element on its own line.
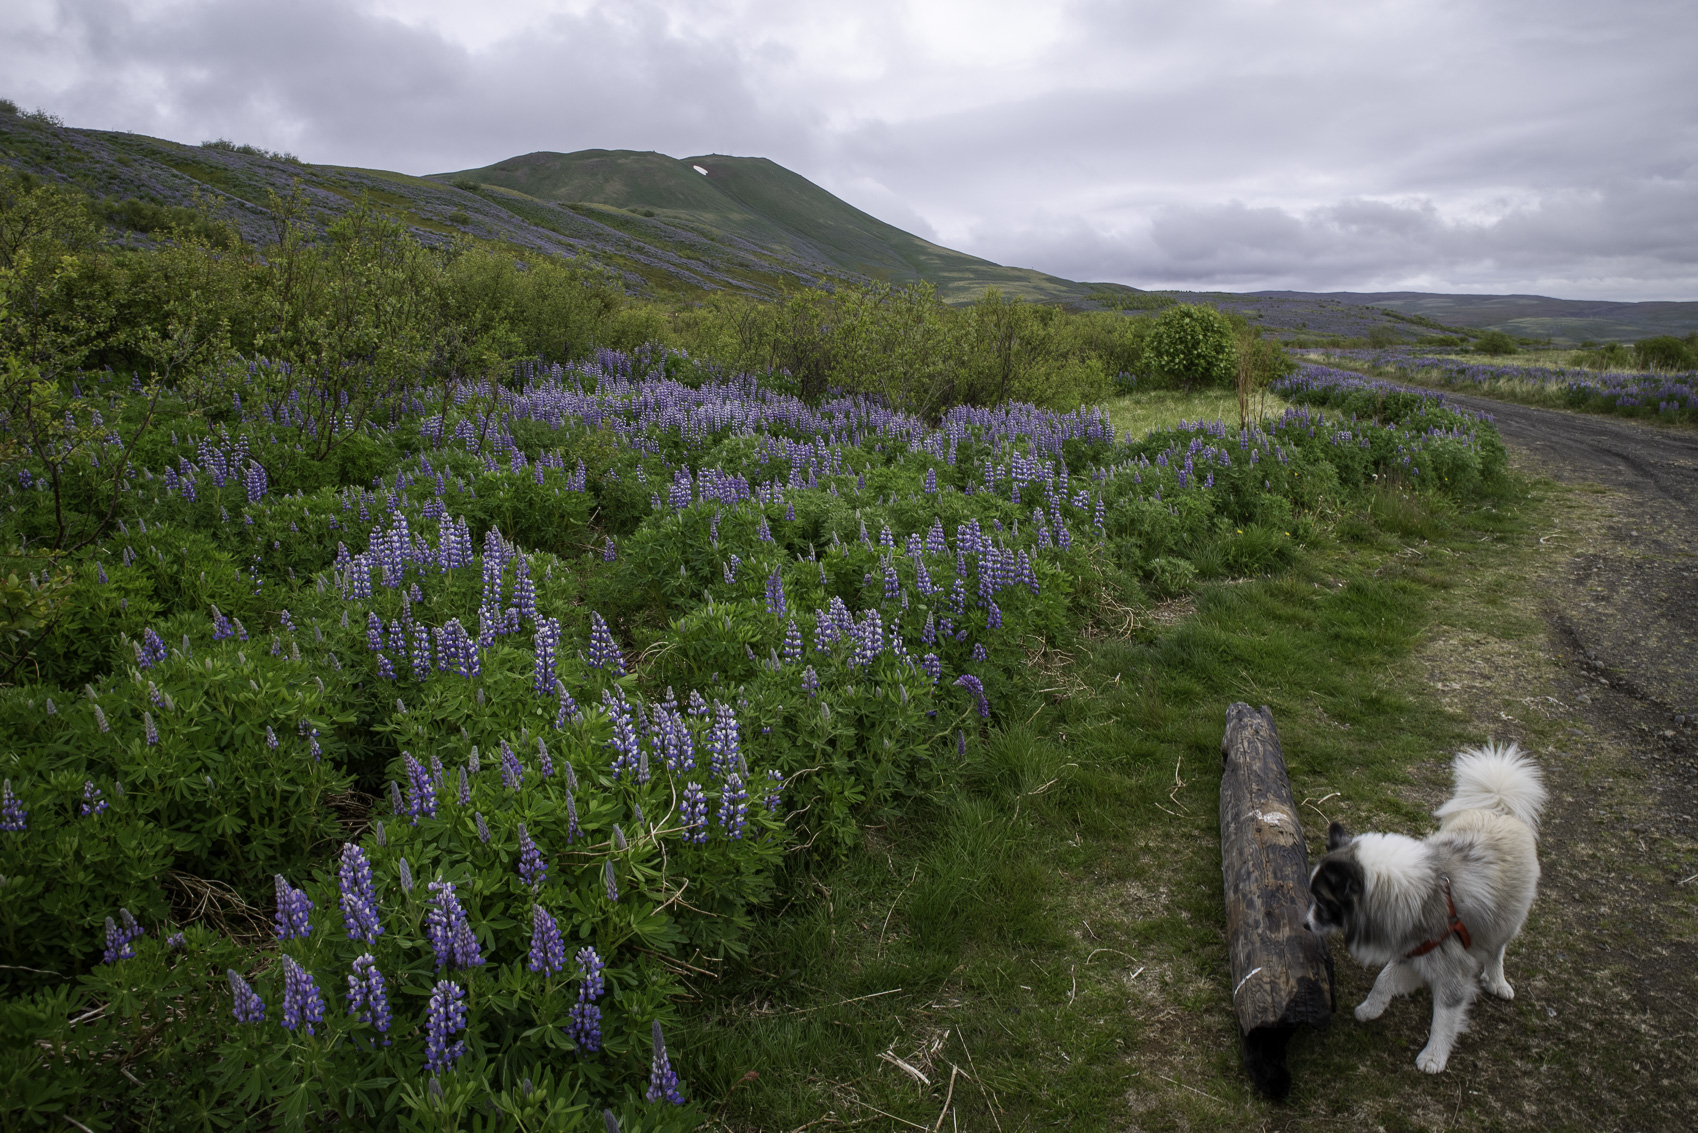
<point>1336,886</point>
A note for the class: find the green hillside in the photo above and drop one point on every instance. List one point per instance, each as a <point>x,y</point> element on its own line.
<point>758,201</point>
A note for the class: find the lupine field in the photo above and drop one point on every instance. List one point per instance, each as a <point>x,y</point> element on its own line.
<point>394,773</point>
<point>1662,395</point>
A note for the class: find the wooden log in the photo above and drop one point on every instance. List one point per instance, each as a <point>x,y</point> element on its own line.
<point>1282,974</point>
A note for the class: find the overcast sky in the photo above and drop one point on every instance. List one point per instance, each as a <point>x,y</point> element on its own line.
<point>1545,146</point>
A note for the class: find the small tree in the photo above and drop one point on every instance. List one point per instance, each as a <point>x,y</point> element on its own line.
<point>1259,362</point>
<point>1194,346</point>
<point>1495,342</point>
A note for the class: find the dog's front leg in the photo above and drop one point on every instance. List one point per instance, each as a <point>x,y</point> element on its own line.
<point>1451,998</point>
<point>1395,979</point>
<point>1493,979</point>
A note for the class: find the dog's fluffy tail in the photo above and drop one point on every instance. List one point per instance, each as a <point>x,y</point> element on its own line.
<point>1497,778</point>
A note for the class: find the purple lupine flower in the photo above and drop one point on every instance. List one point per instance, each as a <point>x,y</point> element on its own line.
<point>384,668</point>
<point>14,819</point>
<point>723,741</point>
<point>374,631</point>
<point>546,643</point>
<point>512,771</point>
<point>465,788</point>
<point>604,653</point>
<point>931,482</point>
<point>568,709</point>
<point>421,789</point>
<point>624,741</point>
<point>406,873</point>
<point>286,621</point>
<point>977,689</point>
<point>303,1003</point>
<point>153,650</point>
<point>543,760</point>
<point>774,788</point>
<point>359,897</point>
<point>810,681</point>
<point>979,653</point>
<point>119,938</point>
<point>608,554</point>
<point>92,803</point>
<point>254,481</point>
<point>421,652</point>
<point>445,1017</point>
<point>483,827</point>
<point>609,882</point>
<point>548,950</point>
<point>733,806</point>
<point>993,619</point>
<point>791,650</point>
<point>368,995</point>
<point>221,627</point>
<point>585,1027</point>
<point>573,830</point>
<point>775,603</point>
<point>449,932</point>
<point>293,907</point>
<point>663,1083</point>
<point>270,738</point>
<point>248,1006</point>
<point>176,941</point>
<point>693,813</point>
<point>533,870</point>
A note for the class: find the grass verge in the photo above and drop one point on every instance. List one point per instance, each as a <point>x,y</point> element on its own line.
<point>1045,947</point>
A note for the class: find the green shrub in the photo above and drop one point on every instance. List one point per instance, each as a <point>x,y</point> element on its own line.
<point>1664,352</point>
<point>1193,346</point>
<point>1495,342</point>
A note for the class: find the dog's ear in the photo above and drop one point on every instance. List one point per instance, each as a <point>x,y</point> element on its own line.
<point>1339,880</point>
<point>1337,836</point>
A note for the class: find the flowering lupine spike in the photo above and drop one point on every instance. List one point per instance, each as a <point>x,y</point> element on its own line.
<point>693,813</point>
<point>359,896</point>
<point>465,788</point>
<point>533,870</point>
<point>512,772</point>
<point>248,1007</point>
<point>543,759</point>
<point>445,1017</point>
<point>608,880</point>
<point>293,907</point>
<point>663,1082</point>
<point>585,1027</point>
<point>449,932</point>
<point>619,842</point>
<point>368,996</point>
<point>406,872</point>
<point>548,950</point>
<point>483,827</point>
<point>303,1003</point>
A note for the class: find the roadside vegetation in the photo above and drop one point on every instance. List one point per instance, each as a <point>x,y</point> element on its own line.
<point>441,692</point>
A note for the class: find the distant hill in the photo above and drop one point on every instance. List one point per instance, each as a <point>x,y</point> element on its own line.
<point>687,227</point>
<point>763,203</point>
<point>1528,316</point>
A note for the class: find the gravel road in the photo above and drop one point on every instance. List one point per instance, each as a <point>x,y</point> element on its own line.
<point>1632,610</point>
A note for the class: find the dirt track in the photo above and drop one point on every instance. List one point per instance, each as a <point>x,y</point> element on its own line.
<point>1610,701</point>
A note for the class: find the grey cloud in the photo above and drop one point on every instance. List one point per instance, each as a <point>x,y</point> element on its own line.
<point>1521,145</point>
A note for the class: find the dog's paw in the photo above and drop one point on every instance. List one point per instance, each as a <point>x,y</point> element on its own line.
<point>1500,988</point>
<point>1430,1061</point>
<point>1368,1010</point>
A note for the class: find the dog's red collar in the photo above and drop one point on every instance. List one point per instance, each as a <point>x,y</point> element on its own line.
<point>1454,927</point>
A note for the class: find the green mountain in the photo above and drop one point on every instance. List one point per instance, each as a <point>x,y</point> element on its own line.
<point>687,227</point>
<point>764,204</point>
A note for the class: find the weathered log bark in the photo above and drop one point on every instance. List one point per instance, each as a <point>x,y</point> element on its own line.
<point>1282,973</point>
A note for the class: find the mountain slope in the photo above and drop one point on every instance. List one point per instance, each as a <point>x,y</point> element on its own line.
<point>759,201</point>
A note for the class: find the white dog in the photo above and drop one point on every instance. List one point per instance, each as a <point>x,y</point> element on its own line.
<point>1439,911</point>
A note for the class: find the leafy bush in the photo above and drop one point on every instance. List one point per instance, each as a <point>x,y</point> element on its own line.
<point>1192,346</point>
<point>1664,352</point>
<point>1495,342</point>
